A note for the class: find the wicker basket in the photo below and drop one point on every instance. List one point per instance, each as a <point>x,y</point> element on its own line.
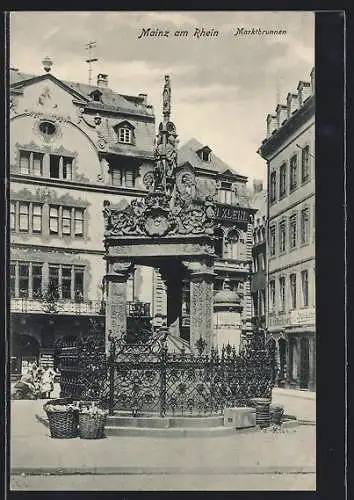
<point>62,424</point>
<point>91,426</point>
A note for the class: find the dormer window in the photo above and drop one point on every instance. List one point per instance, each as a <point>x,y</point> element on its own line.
<point>125,132</point>
<point>96,95</point>
<point>125,135</point>
<point>204,153</point>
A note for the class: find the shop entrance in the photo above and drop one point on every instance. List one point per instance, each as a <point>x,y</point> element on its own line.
<point>304,363</point>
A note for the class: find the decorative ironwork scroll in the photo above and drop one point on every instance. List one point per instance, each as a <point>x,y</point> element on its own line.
<point>144,378</point>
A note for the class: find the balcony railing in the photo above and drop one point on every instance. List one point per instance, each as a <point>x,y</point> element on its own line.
<point>67,307</point>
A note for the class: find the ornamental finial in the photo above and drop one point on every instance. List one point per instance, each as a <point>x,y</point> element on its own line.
<point>166,99</point>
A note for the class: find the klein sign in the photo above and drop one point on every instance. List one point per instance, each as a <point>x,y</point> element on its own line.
<point>236,214</point>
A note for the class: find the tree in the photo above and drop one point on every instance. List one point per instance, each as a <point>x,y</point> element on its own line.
<point>51,300</point>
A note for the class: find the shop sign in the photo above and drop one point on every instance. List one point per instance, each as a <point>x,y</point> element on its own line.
<point>46,360</point>
<point>281,320</point>
<point>303,316</point>
<point>233,214</point>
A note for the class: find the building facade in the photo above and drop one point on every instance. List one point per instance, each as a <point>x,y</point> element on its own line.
<point>234,225</point>
<point>259,256</point>
<point>73,146</point>
<point>289,150</point>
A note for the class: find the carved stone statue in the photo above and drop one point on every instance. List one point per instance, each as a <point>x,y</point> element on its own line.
<point>166,95</point>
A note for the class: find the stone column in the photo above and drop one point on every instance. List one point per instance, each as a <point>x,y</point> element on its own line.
<point>116,308</point>
<point>201,304</point>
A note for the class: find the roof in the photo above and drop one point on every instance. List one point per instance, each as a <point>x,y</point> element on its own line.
<point>188,153</point>
<point>111,100</point>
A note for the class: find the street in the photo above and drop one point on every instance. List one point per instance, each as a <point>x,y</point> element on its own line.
<point>178,482</point>
<point>259,459</point>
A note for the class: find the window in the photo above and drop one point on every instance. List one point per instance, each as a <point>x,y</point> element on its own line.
<point>305,288</point>
<point>293,290</point>
<point>66,282</point>
<point>282,182</point>
<point>117,177</point>
<point>205,155</point>
<point>79,222</point>
<point>293,172</point>
<point>123,177</point>
<point>54,277</point>
<point>129,178</point>
<point>12,215</point>
<point>272,240</point>
<point>272,295</point>
<point>282,293</point>
<point>36,218</point>
<point>24,217</point>
<point>125,135</point>
<point>25,158</point>
<point>12,280</point>
<point>53,220</point>
<point>60,167</point>
<point>23,282</point>
<point>273,186</point>
<point>78,284</point>
<point>26,279</point>
<point>67,168</point>
<point>261,262</point>
<point>54,167</point>
<point>282,236</point>
<point>66,221</point>
<point>305,163</point>
<point>38,164</point>
<point>305,225</point>
<point>36,280</point>
<point>225,196</point>
<point>235,246</point>
<point>293,231</point>
<point>47,128</point>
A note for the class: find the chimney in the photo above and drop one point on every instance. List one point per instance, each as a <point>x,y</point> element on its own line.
<point>282,113</point>
<point>312,76</point>
<point>303,91</point>
<point>143,98</point>
<point>102,80</point>
<point>292,103</point>
<point>257,185</point>
<point>271,124</point>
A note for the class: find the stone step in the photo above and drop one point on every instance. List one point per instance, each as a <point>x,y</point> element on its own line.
<point>155,422</point>
<point>170,432</point>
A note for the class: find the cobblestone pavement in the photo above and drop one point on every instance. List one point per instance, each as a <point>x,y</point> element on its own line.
<point>176,482</point>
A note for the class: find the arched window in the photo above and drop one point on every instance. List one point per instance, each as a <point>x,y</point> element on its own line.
<point>219,242</point>
<point>235,245</point>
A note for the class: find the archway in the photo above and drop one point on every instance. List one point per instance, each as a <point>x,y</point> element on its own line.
<point>24,352</point>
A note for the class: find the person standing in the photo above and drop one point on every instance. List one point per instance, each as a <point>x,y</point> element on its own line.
<point>47,382</point>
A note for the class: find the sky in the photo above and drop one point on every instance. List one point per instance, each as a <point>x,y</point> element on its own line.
<point>222,87</point>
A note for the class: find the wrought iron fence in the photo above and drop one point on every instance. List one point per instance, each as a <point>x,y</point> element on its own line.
<point>144,378</point>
